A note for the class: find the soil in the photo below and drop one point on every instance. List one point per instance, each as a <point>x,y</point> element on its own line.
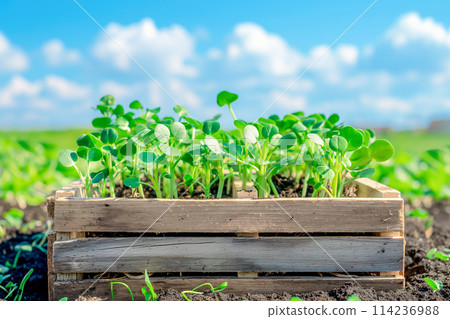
<point>417,266</point>
<point>286,187</point>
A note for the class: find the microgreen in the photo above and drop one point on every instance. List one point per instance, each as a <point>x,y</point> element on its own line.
<point>435,254</point>
<point>123,284</point>
<point>436,285</point>
<point>293,298</point>
<point>353,298</point>
<point>139,147</point>
<point>221,287</point>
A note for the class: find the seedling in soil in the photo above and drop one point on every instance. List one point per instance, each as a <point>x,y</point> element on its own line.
<point>11,287</point>
<point>14,218</point>
<point>293,298</point>
<point>123,284</point>
<point>436,285</point>
<point>435,254</point>
<point>353,298</point>
<point>149,292</point>
<point>213,289</point>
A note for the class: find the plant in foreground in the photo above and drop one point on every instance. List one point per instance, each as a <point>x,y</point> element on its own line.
<point>436,285</point>
<point>221,287</point>
<point>435,254</point>
<point>353,298</point>
<point>11,287</point>
<point>140,148</point>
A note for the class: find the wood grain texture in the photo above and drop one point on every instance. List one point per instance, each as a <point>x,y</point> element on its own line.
<point>239,286</point>
<point>228,254</point>
<point>51,275</point>
<point>335,215</point>
<point>369,188</point>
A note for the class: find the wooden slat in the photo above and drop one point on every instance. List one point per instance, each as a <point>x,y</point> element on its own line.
<point>239,286</point>
<point>51,275</point>
<point>369,188</point>
<point>228,254</point>
<point>334,215</point>
<point>74,189</point>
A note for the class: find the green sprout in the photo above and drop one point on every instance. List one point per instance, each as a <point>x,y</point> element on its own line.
<point>213,289</point>
<point>436,285</point>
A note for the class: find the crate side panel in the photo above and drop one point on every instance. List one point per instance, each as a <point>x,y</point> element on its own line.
<point>334,215</point>
<point>229,254</point>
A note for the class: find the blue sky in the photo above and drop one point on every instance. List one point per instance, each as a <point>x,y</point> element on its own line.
<point>391,69</point>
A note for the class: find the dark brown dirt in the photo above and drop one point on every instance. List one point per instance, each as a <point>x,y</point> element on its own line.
<point>417,266</point>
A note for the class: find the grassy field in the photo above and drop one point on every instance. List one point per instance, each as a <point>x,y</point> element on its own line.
<point>416,142</point>
<point>409,142</point>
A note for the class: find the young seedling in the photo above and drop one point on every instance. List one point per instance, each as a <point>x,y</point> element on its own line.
<point>294,298</point>
<point>213,289</point>
<point>148,292</point>
<point>436,285</point>
<point>435,254</point>
<point>353,298</point>
<point>123,284</point>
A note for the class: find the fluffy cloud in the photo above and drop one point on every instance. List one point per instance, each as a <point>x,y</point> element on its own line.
<point>273,56</point>
<point>411,28</point>
<point>16,88</point>
<point>11,58</point>
<point>65,89</point>
<point>56,54</point>
<point>168,50</point>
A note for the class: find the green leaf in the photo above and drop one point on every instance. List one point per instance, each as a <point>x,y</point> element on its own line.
<point>251,134</point>
<point>316,139</point>
<point>68,158</point>
<point>434,284</point>
<point>162,133</point>
<point>240,124</point>
<point>95,154</point>
<point>109,136</point>
<point>353,298</point>
<point>309,122</point>
<point>118,110</point>
<point>225,98</point>
<point>98,178</point>
<point>269,130</point>
<point>147,157</point>
<point>353,137</point>
<point>3,270</point>
<point>132,182</point>
<point>101,122</point>
<point>180,110</point>
<point>367,172</point>
<point>188,179</point>
<point>213,144</point>
<point>108,100</point>
<point>293,298</point>
<point>168,150</point>
<point>442,256</point>
<point>82,152</point>
<point>287,141</point>
<point>63,299</point>
<point>194,123</point>
<point>84,140</point>
<point>419,213</point>
<point>178,130</point>
<point>210,127</point>
<point>24,247</point>
<point>129,149</point>
<point>136,105</point>
<point>360,157</point>
<point>325,172</point>
<point>275,141</point>
<point>338,144</point>
<point>431,253</point>
<point>334,118</point>
<point>291,117</point>
<point>381,150</point>
<point>299,127</point>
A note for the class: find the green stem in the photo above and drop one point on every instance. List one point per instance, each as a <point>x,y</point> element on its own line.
<point>272,186</point>
<point>232,112</point>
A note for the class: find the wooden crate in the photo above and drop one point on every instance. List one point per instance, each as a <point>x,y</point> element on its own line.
<point>257,245</point>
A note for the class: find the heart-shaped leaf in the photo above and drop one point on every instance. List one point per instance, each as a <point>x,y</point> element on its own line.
<point>210,127</point>
<point>132,182</point>
<point>68,158</point>
<point>269,130</point>
<point>109,135</point>
<point>381,150</point>
<point>226,98</point>
<point>162,133</point>
<point>338,144</point>
<point>178,130</point>
<point>136,105</point>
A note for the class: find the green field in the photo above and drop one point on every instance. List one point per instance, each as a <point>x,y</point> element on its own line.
<point>63,139</point>
<point>416,142</point>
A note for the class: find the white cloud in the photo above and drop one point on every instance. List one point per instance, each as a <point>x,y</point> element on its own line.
<point>57,54</point>
<point>412,28</point>
<point>18,87</point>
<point>66,89</point>
<point>168,49</point>
<point>186,95</point>
<point>271,53</point>
<point>289,101</point>
<point>214,53</point>
<point>11,58</point>
<point>387,104</point>
<point>118,90</point>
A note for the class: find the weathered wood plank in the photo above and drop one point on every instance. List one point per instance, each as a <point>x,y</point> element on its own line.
<point>51,275</point>
<point>74,189</point>
<point>239,286</point>
<point>369,188</point>
<point>334,215</point>
<point>228,254</point>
